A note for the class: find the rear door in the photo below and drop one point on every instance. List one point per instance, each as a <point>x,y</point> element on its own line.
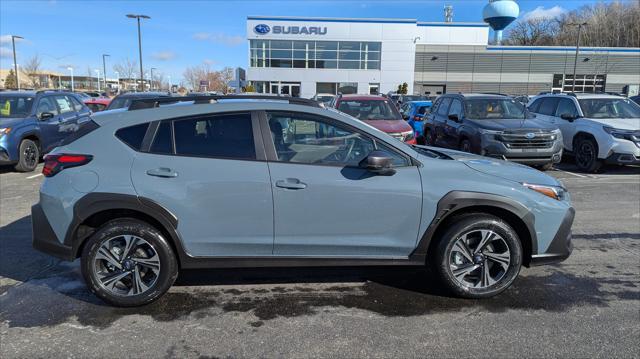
<point>326,205</point>
<point>68,116</point>
<point>210,171</point>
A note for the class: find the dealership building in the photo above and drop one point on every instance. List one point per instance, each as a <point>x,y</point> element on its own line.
<point>304,56</point>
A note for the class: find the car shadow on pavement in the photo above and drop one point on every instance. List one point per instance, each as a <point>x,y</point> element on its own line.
<point>42,291</point>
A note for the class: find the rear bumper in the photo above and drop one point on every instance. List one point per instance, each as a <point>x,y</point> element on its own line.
<point>44,239</point>
<point>561,245</point>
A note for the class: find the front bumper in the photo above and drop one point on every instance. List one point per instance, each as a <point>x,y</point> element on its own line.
<point>623,159</point>
<point>561,245</point>
<point>44,238</point>
<point>530,156</point>
<point>4,157</point>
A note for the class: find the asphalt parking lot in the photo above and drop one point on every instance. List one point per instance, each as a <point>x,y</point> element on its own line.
<point>588,306</point>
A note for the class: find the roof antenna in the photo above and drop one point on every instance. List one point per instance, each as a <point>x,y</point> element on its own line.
<point>448,13</point>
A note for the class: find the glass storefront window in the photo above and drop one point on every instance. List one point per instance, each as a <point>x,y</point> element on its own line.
<point>315,54</point>
<point>346,88</point>
<point>327,87</point>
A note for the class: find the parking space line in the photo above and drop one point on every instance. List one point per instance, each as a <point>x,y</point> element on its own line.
<point>573,174</point>
<point>34,176</point>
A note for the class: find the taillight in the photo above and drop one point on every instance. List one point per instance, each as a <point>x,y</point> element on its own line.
<point>417,118</point>
<point>56,163</point>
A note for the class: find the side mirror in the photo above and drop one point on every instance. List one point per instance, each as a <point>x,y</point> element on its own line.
<point>454,117</point>
<point>45,116</point>
<point>568,117</point>
<point>378,162</point>
<point>405,116</point>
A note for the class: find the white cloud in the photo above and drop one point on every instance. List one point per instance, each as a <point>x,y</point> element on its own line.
<point>219,38</point>
<point>209,62</point>
<point>5,39</point>
<point>163,55</point>
<point>5,53</point>
<point>541,13</point>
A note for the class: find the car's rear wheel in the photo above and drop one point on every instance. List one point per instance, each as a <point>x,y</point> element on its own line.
<point>586,155</point>
<point>128,263</point>
<point>478,256</point>
<point>29,156</point>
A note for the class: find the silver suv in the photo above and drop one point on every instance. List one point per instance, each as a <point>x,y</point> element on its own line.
<point>596,128</point>
<point>260,181</point>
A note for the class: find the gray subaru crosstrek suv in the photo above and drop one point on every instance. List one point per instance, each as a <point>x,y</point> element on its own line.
<point>261,181</point>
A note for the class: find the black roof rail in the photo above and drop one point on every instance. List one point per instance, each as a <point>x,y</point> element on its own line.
<point>152,102</point>
<point>496,93</point>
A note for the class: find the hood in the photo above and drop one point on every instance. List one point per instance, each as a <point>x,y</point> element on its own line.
<point>11,122</point>
<point>504,169</point>
<point>621,123</point>
<point>389,126</point>
<point>510,124</point>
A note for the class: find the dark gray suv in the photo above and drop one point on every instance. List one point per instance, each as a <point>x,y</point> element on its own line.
<point>493,125</point>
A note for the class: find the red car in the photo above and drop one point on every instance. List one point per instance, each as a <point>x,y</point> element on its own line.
<point>378,112</point>
<point>97,104</point>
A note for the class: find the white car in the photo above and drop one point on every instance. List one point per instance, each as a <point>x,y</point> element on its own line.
<point>597,128</point>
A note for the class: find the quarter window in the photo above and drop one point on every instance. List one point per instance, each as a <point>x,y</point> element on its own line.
<point>133,135</point>
<point>162,142</point>
<point>224,136</point>
<point>300,138</point>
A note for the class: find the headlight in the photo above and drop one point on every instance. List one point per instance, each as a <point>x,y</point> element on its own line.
<point>408,136</point>
<point>622,134</point>
<point>5,130</point>
<point>554,192</point>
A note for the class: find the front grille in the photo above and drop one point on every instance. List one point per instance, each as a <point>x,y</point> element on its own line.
<point>527,139</point>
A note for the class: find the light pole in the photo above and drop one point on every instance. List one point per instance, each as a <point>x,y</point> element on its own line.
<point>104,69</point>
<point>71,69</point>
<point>575,61</point>
<point>15,63</point>
<point>138,17</point>
<point>118,80</point>
<point>98,73</point>
<point>153,68</point>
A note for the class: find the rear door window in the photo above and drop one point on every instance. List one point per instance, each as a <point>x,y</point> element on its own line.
<point>64,104</point>
<point>220,136</point>
<point>163,141</point>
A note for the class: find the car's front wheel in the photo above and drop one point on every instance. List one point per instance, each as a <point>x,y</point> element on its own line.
<point>586,154</point>
<point>128,263</point>
<point>29,156</point>
<point>478,256</point>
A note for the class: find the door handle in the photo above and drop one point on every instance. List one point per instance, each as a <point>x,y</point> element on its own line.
<point>162,172</point>
<point>291,183</point>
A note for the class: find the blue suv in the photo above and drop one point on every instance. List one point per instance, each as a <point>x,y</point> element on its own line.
<point>415,112</point>
<point>256,181</point>
<point>33,123</point>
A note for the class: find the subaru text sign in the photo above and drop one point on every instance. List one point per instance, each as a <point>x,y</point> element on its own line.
<point>263,29</point>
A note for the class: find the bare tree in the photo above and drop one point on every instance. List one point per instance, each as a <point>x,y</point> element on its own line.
<point>613,24</point>
<point>126,69</point>
<point>31,69</point>
<point>226,76</point>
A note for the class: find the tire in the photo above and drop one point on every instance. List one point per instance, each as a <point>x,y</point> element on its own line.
<point>586,155</point>
<point>546,166</point>
<point>149,245</point>
<point>445,258</point>
<point>465,145</point>
<point>429,140</point>
<point>29,153</point>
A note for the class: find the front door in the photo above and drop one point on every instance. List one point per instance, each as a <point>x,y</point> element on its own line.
<point>451,128</point>
<point>50,133</point>
<point>215,180</point>
<point>325,204</point>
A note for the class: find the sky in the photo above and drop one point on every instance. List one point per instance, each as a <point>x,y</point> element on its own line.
<point>186,33</point>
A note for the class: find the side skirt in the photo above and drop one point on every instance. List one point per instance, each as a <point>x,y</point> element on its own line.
<point>263,262</point>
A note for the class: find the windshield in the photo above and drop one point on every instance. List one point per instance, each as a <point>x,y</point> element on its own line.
<point>609,108</point>
<point>495,109</point>
<point>370,109</point>
<point>15,106</point>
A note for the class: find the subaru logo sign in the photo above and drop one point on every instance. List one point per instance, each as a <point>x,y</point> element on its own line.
<point>530,135</point>
<point>262,29</point>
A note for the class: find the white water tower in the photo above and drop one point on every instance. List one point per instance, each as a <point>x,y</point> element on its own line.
<point>499,14</point>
